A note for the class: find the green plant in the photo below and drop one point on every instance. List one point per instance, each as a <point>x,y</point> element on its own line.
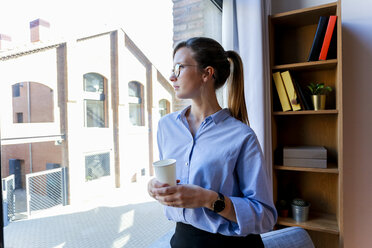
<point>319,89</point>
<point>300,202</point>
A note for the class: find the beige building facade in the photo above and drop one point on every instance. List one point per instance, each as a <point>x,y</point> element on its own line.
<point>90,104</point>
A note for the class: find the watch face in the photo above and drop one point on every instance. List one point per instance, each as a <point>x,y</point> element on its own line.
<point>219,205</point>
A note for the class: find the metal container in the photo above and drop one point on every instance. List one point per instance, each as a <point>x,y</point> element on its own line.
<point>319,102</point>
<point>300,213</point>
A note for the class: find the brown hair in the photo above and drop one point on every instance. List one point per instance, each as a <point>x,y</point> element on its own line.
<point>208,52</point>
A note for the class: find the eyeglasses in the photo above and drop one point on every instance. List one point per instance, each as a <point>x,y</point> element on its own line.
<point>177,69</point>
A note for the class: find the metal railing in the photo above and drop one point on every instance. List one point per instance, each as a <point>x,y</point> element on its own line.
<point>46,189</point>
<point>8,194</point>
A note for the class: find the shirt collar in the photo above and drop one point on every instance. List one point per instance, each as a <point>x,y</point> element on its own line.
<point>216,117</point>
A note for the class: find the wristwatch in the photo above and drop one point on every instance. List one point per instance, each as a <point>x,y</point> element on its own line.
<point>219,204</point>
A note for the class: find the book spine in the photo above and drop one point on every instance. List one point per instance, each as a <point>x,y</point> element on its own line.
<point>283,97</point>
<point>327,37</point>
<point>292,95</point>
<point>318,39</point>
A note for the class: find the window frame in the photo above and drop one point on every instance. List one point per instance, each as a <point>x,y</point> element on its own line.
<point>139,99</point>
<point>96,96</point>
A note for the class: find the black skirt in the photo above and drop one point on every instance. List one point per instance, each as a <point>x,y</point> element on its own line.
<point>187,236</point>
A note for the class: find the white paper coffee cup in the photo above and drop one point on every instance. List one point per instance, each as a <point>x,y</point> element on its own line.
<point>165,171</point>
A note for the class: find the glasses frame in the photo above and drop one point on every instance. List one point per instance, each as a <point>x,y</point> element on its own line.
<point>177,69</point>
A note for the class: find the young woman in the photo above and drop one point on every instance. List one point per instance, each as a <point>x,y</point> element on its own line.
<point>223,197</point>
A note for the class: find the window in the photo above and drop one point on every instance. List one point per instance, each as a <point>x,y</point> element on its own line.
<point>97,166</point>
<point>16,90</point>
<point>19,117</point>
<point>95,102</point>
<point>136,104</point>
<point>164,107</point>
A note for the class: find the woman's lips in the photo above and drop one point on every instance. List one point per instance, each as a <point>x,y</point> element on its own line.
<point>176,87</point>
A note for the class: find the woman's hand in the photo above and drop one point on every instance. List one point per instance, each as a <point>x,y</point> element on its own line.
<point>184,196</point>
<point>152,185</point>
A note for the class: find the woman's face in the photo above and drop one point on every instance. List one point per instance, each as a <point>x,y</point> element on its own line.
<point>189,81</point>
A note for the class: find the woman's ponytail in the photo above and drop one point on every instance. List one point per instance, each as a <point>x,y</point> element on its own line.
<point>236,102</point>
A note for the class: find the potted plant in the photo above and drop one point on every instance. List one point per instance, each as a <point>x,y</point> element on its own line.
<point>318,94</point>
<point>300,209</point>
<point>283,208</point>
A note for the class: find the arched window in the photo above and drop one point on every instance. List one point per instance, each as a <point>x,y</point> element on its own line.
<point>164,107</point>
<point>136,103</point>
<point>95,101</point>
<point>32,103</point>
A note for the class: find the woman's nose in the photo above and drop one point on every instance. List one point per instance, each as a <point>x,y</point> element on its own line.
<point>172,77</point>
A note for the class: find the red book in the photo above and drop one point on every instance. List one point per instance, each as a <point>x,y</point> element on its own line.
<point>327,37</point>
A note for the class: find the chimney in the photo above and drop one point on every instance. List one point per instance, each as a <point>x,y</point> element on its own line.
<point>5,42</point>
<point>39,29</point>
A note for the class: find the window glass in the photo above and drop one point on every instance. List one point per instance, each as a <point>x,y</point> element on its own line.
<point>164,107</point>
<point>95,101</point>
<point>136,105</point>
<point>93,83</point>
<point>97,166</point>
<point>95,114</point>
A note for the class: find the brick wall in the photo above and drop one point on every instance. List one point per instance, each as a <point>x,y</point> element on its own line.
<point>194,18</point>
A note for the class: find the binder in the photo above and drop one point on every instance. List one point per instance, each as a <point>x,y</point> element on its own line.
<point>327,38</point>
<point>292,95</point>
<point>283,97</point>
<point>318,39</point>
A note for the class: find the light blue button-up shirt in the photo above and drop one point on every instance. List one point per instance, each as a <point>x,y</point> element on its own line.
<point>223,156</point>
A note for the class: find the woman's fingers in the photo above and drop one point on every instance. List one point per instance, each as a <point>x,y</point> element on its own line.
<point>165,190</point>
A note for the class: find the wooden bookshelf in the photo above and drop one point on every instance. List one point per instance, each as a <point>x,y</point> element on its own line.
<point>331,168</point>
<point>320,222</point>
<point>291,37</point>
<point>312,65</point>
<point>307,112</point>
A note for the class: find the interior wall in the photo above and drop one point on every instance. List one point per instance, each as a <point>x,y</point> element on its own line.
<point>357,113</point>
<point>357,92</point>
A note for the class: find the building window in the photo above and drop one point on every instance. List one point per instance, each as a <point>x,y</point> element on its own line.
<point>97,166</point>
<point>164,107</point>
<point>136,104</point>
<point>95,102</point>
<point>19,117</point>
<point>16,89</point>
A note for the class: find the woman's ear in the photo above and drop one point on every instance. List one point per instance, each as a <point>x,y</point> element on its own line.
<point>208,73</point>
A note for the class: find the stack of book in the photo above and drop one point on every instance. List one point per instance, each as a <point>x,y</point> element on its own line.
<point>305,156</point>
<point>291,95</point>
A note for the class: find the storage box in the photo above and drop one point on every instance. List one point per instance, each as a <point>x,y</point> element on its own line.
<point>305,156</point>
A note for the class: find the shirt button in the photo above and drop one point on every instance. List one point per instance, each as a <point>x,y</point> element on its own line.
<point>187,163</point>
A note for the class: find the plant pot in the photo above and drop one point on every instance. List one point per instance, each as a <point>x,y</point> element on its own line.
<point>300,213</point>
<point>318,101</point>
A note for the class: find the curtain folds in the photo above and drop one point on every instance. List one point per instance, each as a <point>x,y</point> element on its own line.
<point>245,30</point>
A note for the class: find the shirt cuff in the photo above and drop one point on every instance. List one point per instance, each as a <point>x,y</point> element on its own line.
<point>251,216</point>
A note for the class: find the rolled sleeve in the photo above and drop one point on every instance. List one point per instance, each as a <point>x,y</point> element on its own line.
<point>255,211</point>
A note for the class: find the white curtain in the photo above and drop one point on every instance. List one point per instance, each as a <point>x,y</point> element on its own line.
<point>245,30</point>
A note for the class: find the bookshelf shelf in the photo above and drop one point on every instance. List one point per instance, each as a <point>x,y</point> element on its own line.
<point>320,222</point>
<point>313,65</point>
<point>291,37</point>
<point>308,112</point>
<point>332,168</point>
<point>302,17</point>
